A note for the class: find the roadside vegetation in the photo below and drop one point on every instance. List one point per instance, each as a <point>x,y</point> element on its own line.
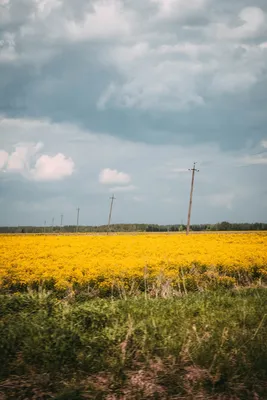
<point>209,345</point>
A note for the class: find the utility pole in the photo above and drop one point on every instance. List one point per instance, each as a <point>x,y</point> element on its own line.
<point>191,196</point>
<point>78,215</point>
<point>44,226</point>
<point>110,211</point>
<point>53,219</point>
<point>61,221</point>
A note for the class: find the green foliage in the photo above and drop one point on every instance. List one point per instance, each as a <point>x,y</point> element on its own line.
<point>211,343</point>
<point>220,226</point>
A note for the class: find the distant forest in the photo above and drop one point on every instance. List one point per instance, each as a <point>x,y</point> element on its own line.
<point>220,226</point>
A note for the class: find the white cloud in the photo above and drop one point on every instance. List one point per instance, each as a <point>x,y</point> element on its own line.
<point>155,69</point>
<point>166,85</point>
<point>19,159</point>
<point>190,49</point>
<point>112,176</point>
<point>3,158</point>
<point>106,96</point>
<point>107,20</point>
<point>27,161</point>
<point>251,22</point>
<point>7,48</point>
<point>264,144</point>
<point>233,82</point>
<point>56,22</point>
<point>257,159</point>
<point>45,7</point>
<point>178,8</point>
<point>238,68</point>
<point>52,168</point>
<point>122,57</point>
<point>129,188</point>
<point>166,72</point>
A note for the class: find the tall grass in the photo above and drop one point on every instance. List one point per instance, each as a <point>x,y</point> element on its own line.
<point>209,345</point>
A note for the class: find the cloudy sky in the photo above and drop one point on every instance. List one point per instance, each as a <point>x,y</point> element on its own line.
<point>117,96</point>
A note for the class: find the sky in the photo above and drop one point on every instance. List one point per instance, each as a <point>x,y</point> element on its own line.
<point>117,96</point>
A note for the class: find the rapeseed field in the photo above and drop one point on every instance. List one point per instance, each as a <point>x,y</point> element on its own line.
<point>134,261</point>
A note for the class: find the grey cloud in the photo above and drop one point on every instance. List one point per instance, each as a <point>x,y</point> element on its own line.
<point>176,86</point>
<point>64,81</point>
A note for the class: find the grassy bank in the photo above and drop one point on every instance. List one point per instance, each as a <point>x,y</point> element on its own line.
<point>209,345</point>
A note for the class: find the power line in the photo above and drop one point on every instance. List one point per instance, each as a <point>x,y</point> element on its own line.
<point>110,211</point>
<point>78,216</point>
<point>191,196</point>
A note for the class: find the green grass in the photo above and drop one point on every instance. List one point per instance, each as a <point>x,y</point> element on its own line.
<point>210,345</point>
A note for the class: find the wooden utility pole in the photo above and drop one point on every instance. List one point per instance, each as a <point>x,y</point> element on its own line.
<point>78,215</point>
<point>110,211</point>
<point>191,196</point>
<point>53,219</point>
<point>44,226</point>
<point>61,221</point>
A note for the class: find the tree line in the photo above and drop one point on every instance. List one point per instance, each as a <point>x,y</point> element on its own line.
<point>220,226</point>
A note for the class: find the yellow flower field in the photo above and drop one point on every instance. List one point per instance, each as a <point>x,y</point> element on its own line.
<point>104,261</point>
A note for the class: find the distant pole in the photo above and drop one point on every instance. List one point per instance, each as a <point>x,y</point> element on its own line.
<point>78,215</point>
<point>44,226</point>
<point>191,197</point>
<point>110,211</point>
<point>53,219</point>
<point>61,221</point>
